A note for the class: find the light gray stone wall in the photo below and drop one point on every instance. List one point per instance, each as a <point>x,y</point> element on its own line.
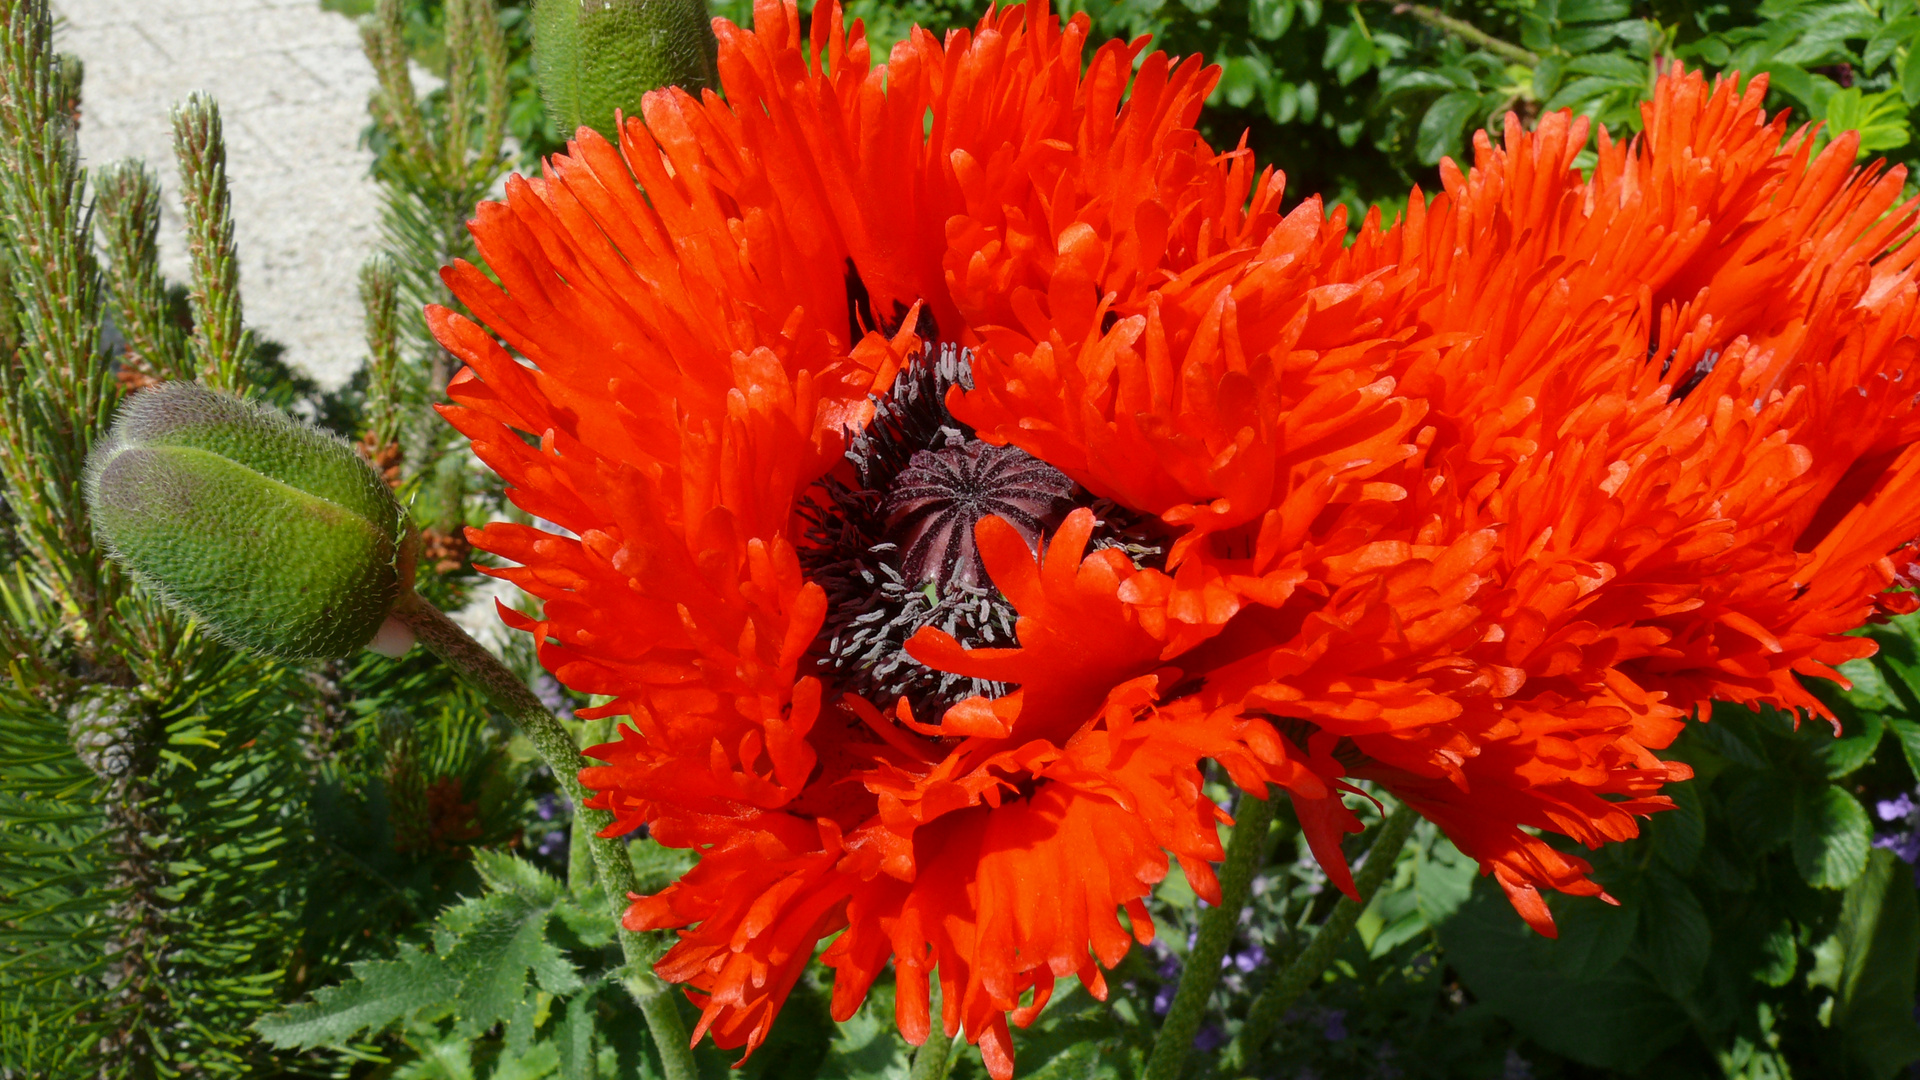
<point>292,86</point>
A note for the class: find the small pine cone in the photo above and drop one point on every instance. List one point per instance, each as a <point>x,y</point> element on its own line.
<point>132,378</point>
<point>107,726</point>
<point>446,552</point>
<point>383,457</point>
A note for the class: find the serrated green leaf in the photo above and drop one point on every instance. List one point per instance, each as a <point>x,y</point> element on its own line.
<point>1831,836</point>
<point>503,873</point>
<point>657,866</point>
<point>866,1046</point>
<point>1679,833</point>
<point>1677,935</point>
<point>380,993</point>
<point>490,944</point>
<point>1594,934</point>
<point>1620,1021</point>
<point>1780,951</point>
<point>573,1036</point>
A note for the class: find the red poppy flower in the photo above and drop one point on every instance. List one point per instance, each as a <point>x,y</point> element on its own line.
<point>959,453</point>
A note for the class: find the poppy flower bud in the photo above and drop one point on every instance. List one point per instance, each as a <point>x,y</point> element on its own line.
<point>594,56</point>
<point>275,535</point>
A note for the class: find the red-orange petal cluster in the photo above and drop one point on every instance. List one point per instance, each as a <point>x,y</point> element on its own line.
<point>1478,508</point>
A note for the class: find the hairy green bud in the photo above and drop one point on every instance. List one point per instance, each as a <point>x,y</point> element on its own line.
<point>275,535</point>
<point>594,56</point>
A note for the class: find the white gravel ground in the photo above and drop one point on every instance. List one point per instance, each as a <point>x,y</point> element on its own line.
<point>292,86</point>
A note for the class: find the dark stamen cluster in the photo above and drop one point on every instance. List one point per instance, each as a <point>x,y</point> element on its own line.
<point>893,544</point>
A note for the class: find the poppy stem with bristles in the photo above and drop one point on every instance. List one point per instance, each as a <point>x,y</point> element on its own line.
<point>1217,925</point>
<point>1285,989</point>
<point>473,663</point>
<point>934,1059</point>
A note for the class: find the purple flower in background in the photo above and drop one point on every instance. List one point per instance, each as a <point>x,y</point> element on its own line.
<point>1163,999</point>
<point>1334,1024</point>
<point>547,689</point>
<point>554,845</point>
<point>1904,840</point>
<point>1209,1038</point>
<point>549,806</point>
<point>1518,1068</point>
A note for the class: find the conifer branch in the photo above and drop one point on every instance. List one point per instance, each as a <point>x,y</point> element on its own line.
<point>378,296</point>
<point>56,394</point>
<point>129,205</point>
<point>221,343</point>
<point>394,105</point>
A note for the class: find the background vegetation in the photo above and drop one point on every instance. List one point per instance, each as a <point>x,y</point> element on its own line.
<point>212,865</point>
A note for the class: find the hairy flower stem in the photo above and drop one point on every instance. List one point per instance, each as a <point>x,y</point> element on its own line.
<point>934,1059</point>
<point>472,662</point>
<point>1217,925</point>
<point>1293,980</point>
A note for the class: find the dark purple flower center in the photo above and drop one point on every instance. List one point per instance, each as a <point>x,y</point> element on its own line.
<point>942,494</point>
<point>891,537</point>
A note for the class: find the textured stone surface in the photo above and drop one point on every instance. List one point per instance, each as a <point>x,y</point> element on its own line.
<point>292,86</point>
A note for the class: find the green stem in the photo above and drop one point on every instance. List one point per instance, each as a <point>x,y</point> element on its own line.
<point>1217,926</point>
<point>1312,962</point>
<point>472,662</point>
<point>580,858</point>
<point>935,1057</point>
<point>1468,32</point>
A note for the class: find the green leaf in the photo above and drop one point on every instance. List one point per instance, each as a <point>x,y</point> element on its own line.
<point>1679,833</point>
<point>1859,738</point>
<point>1618,1021</point>
<point>490,944</point>
<point>1442,879</point>
<point>1910,75</point>
<point>1831,836</point>
<point>1581,11</point>
<point>573,1036</point>
<point>380,993</point>
<point>866,1046</point>
<point>657,866</point>
<point>1878,937</point>
<point>1907,732</point>
<point>1439,133</point>
<point>1269,19</point>
<point>1810,90</point>
<point>1677,934</point>
<point>1594,934</point>
<point>1880,119</point>
<point>1780,952</point>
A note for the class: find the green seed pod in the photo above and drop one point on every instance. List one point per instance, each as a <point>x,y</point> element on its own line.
<point>594,56</point>
<point>275,535</point>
